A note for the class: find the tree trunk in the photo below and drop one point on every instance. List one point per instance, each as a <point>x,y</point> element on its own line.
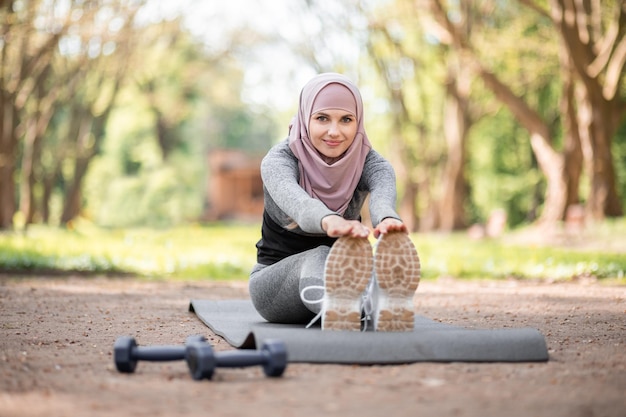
<point>401,158</point>
<point>572,149</point>
<point>86,149</point>
<point>73,196</point>
<point>550,162</point>
<point>45,103</point>
<point>406,207</point>
<point>81,121</point>
<point>24,58</point>
<point>402,168</point>
<point>603,199</point>
<point>27,206</point>
<point>8,153</point>
<point>599,60</point>
<point>455,127</point>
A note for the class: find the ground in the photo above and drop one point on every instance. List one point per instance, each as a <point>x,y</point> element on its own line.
<point>57,335</point>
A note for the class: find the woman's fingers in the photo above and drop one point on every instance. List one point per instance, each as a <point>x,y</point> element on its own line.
<point>337,226</point>
<point>389,225</point>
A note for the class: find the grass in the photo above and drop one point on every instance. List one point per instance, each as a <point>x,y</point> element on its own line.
<point>459,257</point>
<point>227,252</point>
<point>192,252</point>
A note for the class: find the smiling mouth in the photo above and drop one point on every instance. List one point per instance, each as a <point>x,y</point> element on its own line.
<point>332,143</point>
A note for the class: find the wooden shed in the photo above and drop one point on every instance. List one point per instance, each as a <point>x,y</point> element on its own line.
<point>234,188</point>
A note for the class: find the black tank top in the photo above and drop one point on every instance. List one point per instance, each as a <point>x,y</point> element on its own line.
<point>278,243</point>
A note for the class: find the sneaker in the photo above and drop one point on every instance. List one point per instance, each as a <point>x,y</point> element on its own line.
<point>347,272</point>
<point>397,270</point>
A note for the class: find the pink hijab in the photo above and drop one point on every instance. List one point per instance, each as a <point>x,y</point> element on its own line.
<point>333,184</point>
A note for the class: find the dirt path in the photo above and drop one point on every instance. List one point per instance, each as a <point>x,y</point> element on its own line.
<point>56,339</point>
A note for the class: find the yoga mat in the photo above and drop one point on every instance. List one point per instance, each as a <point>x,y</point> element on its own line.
<point>241,326</point>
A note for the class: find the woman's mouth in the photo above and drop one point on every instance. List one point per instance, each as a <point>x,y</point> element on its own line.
<point>332,143</point>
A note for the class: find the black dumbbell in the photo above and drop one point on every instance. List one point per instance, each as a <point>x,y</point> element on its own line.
<point>202,360</point>
<point>126,353</point>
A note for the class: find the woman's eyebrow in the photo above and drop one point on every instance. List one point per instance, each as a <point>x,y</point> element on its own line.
<point>322,113</point>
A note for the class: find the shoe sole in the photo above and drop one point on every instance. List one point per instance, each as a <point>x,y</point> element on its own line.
<point>347,272</point>
<point>397,267</point>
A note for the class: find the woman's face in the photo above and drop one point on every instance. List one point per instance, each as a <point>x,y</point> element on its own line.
<point>332,131</point>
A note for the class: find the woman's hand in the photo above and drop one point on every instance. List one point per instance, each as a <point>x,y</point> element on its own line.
<point>389,225</point>
<point>337,226</point>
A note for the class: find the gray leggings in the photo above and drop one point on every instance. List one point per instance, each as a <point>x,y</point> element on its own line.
<point>275,289</point>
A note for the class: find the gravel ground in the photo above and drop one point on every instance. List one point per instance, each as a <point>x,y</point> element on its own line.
<point>57,335</point>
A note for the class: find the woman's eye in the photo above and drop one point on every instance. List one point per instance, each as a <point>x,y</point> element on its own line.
<point>347,119</point>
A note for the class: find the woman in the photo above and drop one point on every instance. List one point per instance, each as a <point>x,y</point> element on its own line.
<point>314,256</point>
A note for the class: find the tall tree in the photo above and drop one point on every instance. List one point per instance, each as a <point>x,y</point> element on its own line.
<point>103,75</point>
<point>584,110</point>
<point>75,89</point>
<point>456,126</point>
<point>25,54</point>
<point>596,46</point>
<point>439,181</point>
<point>386,52</point>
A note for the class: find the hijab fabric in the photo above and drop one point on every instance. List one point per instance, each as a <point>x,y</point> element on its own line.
<point>333,184</point>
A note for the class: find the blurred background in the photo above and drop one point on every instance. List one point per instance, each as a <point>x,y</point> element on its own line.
<point>151,113</point>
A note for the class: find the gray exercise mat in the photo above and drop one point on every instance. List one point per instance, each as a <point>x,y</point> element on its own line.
<point>241,326</point>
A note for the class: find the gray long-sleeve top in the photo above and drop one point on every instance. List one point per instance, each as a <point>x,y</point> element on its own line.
<point>286,203</point>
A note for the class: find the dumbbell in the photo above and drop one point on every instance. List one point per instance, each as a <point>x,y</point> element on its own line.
<point>126,353</point>
<point>202,360</point>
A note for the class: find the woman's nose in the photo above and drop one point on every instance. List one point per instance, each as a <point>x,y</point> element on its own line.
<point>332,130</point>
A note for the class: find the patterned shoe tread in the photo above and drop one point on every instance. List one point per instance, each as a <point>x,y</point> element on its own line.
<point>348,270</point>
<point>397,267</point>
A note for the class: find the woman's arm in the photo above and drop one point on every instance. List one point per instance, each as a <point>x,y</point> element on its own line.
<point>380,179</point>
<point>280,175</point>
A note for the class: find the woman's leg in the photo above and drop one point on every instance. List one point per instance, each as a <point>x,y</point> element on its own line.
<point>275,289</point>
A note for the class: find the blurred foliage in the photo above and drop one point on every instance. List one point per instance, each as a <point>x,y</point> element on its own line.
<point>138,103</point>
<point>227,251</point>
<point>499,154</point>
<point>142,179</point>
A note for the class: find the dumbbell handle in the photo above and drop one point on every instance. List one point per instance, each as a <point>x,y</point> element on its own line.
<point>158,353</point>
<point>240,359</point>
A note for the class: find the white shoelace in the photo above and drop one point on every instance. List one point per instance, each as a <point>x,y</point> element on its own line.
<point>321,300</point>
<point>367,307</point>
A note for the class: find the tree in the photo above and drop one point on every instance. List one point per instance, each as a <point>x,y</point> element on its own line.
<point>457,122</point>
<point>593,119</point>
<point>386,52</point>
<point>596,46</point>
<point>441,82</point>
<point>168,74</point>
<point>25,58</point>
<point>53,56</point>
<point>181,100</point>
<point>103,40</point>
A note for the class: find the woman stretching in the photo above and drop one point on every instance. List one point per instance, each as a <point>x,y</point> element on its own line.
<point>314,257</point>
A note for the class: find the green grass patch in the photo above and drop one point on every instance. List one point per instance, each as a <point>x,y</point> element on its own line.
<point>459,257</point>
<point>227,252</point>
<point>191,252</point>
